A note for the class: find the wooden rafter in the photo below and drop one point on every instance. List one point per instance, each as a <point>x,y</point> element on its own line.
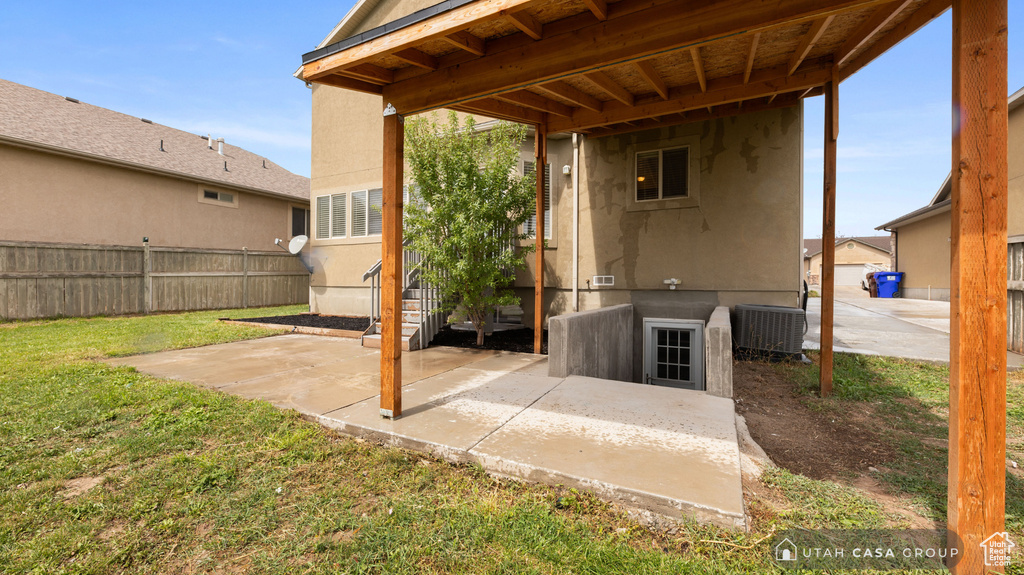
<point>750,56</point>
<point>535,102</point>
<point>503,111</point>
<point>350,84</point>
<point>567,92</point>
<point>527,24</point>
<point>467,42</point>
<point>808,41</point>
<point>924,14</point>
<point>698,68</point>
<point>417,58</point>
<point>652,77</point>
<point>370,73</point>
<point>784,101</point>
<point>879,19</point>
<point>647,31</point>
<point>720,91</point>
<point>602,81</point>
<point>599,8</point>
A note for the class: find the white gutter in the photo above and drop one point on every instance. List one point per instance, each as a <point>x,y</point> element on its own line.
<point>575,222</point>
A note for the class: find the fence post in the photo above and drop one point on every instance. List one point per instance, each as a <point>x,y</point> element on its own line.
<point>147,279</point>
<point>245,277</point>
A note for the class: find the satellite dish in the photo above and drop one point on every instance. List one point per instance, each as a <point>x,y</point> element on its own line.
<point>298,242</point>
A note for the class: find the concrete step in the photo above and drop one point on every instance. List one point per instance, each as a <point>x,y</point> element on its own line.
<point>409,343</point>
<point>411,304</point>
<point>407,328</point>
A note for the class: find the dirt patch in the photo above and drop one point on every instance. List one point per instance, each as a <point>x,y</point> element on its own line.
<point>518,340</point>
<point>79,486</point>
<point>310,320</point>
<point>818,443</point>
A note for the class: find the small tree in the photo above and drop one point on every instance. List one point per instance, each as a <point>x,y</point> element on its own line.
<point>467,208</point>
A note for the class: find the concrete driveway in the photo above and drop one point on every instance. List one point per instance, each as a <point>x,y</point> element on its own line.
<point>909,328</point>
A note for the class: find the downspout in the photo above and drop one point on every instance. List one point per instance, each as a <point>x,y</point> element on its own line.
<point>575,222</point>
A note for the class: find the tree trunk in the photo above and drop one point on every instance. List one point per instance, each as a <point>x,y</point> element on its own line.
<point>480,335</point>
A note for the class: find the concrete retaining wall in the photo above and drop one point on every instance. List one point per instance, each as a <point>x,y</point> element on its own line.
<point>596,343</point>
<point>718,346</point>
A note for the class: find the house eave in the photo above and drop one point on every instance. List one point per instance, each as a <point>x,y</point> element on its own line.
<point>916,216</point>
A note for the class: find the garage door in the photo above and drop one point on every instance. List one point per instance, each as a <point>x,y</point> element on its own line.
<point>850,275</point>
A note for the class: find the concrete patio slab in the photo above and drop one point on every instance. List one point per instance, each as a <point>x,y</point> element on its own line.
<point>669,449</point>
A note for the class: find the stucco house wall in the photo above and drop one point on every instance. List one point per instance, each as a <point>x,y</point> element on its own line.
<point>860,254</point>
<point>49,197</point>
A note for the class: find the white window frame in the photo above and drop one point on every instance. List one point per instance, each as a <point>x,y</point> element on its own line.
<point>549,212</point>
<point>661,174</point>
<point>315,223</point>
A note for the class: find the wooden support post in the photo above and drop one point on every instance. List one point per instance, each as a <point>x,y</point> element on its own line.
<point>391,267</point>
<point>147,279</point>
<point>245,277</point>
<point>541,153</point>
<point>828,235</point>
<point>977,366</point>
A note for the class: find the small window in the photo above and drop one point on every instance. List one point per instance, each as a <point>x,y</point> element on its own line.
<point>674,353</point>
<point>530,227</point>
<point>300,221</point>
<point>849,246</point>
<point>215,197</point>
<point>330,216</point>
<point>662,174</point>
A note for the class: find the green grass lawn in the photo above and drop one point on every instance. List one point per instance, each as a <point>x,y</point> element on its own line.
<point>106,470</point>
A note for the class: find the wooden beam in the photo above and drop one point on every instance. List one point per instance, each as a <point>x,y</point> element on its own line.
<point>370,73</point>
<point>931,10</point>
<point>391,267</point>
<point>808,41</point>
<point>598,7</point>
<point>784,101</point>
<point>350,84</point>
<point>602,81</point>
<point>977,367</point>
<point>527,24</point>
<point>881,18</point>
<point>417,58</point>
<point>750,56</point>
<point>467,42</point>
<point>698,67</point>
<point>720,91</point>
<point>648,72</point>
<point>504,111</point>
<point>441,26</point>
<point>828,237</point>
<point>563,90</point>
<point>636,34</point>
<point>535,102</point>
<point>541,156</point>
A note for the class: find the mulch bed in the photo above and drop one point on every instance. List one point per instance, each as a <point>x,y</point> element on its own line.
<point>798,433</point>
<point>309,320</point>
<point>518,340</point>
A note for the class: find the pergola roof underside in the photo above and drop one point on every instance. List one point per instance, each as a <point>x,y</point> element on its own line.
<point>791,59</point>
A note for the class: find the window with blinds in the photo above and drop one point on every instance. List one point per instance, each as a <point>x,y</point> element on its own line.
<point>359,214</point>
<point>375,213</point>
<point>530,227</point>
<point>323,217</point>
<point>662,174</point>
<point>331,217</point>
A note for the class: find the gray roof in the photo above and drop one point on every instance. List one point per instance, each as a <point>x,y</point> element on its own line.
<point>884,243</point>
<point>34,118</point>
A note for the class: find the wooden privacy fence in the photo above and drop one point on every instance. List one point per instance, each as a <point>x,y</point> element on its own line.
<point>1015,294</point>
<point>40,280</point>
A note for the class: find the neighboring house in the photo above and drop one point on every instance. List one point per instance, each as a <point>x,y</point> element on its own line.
<point>853,256</point>
<point>681,202</point>
<point>922,237</point>
<point>78,174</point>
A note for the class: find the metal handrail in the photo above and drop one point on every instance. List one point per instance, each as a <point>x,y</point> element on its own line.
<point>413,265</point>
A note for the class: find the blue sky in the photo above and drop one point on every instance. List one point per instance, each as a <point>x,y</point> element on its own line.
<point>225,68</point>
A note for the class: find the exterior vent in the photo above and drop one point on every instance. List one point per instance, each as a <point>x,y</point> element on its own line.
<point>771,329</point>
<point>604,281</point>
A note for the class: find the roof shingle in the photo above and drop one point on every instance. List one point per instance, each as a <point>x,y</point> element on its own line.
<point>813,246</point>
<point>33,117</point>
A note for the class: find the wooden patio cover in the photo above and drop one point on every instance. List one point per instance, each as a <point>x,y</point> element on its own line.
<point>602,67</point>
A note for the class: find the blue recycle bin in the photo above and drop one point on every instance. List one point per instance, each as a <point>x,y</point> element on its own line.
<point>888,283</point>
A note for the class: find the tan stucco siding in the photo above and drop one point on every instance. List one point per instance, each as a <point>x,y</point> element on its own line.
<point>859,254</point>
<point>53,198</point>
<point>923,253</point>
<point>1015,165</point>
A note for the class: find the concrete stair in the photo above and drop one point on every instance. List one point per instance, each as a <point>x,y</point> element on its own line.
<point>410,327</point>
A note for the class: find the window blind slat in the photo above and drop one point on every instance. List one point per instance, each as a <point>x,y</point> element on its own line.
<point>338,215</point>
<point>359,214</point>
<point>375,215</point>
<point>647,175</point>
<point>323,217</point>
